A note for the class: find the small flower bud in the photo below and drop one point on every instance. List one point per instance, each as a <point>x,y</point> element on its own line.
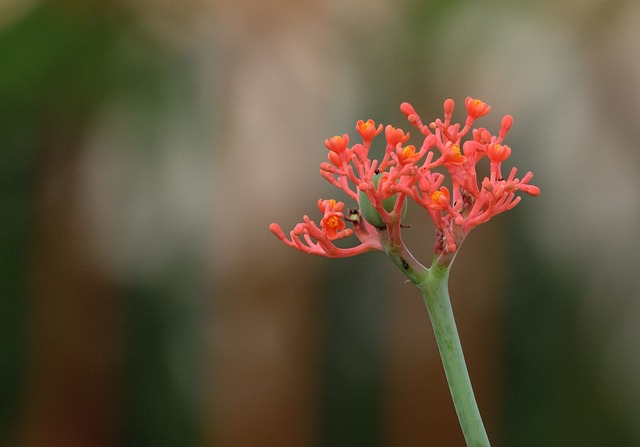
<point>408,110</point>
<point>507,122</point>
<point>481,135</point>
<point>448,109</point>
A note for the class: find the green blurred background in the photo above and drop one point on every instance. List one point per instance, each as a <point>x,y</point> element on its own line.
<point>145,146</point>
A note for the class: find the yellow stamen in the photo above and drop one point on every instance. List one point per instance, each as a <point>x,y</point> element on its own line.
<point>436,196</point>
<point>333,222</point>
<point>408,151</point>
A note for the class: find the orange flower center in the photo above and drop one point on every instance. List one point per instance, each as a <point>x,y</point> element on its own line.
<point>409,151</point>
<point>454,156</point>
<point>333,221</point>
<point>437,196</point>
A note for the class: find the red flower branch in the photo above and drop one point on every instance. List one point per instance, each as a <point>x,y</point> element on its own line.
<point>381,187</point>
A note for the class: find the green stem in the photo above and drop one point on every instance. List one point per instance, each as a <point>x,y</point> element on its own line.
<point>433,282</point>
<point>434,288</point>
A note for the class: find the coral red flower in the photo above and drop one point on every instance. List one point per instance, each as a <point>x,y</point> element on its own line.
<point>368,130</point>
<point>395,136</point>
<point>452,154</point>
<point>407,154</point>
<point>330,205</point>
<point>338,149</point>
<point>498,153</point>
<point>476,108</point>
<point>409,173</point>
<point>440,199</point>
<point>333,220</point>
<point>337,144</point>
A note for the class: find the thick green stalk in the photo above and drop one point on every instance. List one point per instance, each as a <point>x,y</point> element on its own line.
<point>433,282</point>
<point>434,288</point>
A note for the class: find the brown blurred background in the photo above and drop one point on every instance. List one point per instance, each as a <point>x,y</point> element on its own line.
<point>145,146</point>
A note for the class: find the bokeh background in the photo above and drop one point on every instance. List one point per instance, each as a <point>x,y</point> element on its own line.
<point>145,146</point>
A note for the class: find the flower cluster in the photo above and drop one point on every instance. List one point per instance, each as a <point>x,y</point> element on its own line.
<point>381,187</point>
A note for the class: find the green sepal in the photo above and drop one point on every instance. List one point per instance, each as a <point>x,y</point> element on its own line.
<point>369,212</point>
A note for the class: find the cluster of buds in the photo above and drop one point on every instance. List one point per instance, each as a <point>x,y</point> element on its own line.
<point>382,187</point>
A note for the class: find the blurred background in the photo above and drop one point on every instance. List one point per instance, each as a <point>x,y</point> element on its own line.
<point>145,147</point>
